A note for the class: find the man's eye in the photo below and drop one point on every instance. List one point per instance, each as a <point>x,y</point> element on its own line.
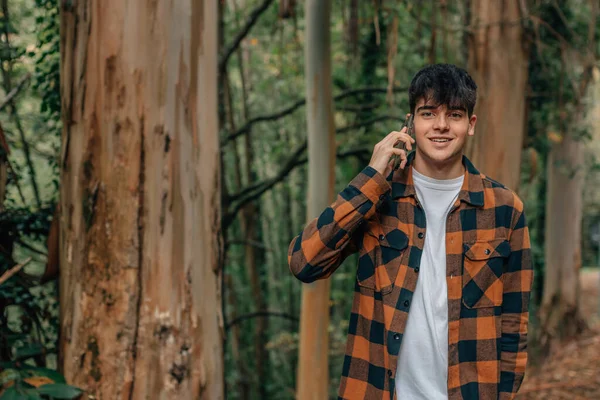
<point>426,114</point>
<point>456,115</point>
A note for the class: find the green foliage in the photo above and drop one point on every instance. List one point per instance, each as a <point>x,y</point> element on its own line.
<point>29,318</point>
<point>31,383</point>
<point>47,74</point>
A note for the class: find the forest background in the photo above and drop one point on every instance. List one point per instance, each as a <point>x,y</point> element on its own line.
<point>536,64</point>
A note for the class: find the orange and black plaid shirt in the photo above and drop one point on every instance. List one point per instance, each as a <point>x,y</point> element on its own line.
<point>488,272</point>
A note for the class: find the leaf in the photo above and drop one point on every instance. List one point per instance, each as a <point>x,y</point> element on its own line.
<point>26,352</point>
<point>60,391</point>
<point>54,375</point>
<point>11,394</point>
<point>32,394</point>
<point>37,381</point>
<point>9,375</point>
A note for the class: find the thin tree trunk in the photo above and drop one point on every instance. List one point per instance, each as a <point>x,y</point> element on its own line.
<point>560,314</point>
<point>243,383</point>
<point>432,43</point>
<point>445,37</point>
<point>248,222</point>
<point>498,63</point>
<point>313,375</point>
<point>140,189</point>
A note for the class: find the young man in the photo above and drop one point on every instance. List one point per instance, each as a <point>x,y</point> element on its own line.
<point>444,275</point>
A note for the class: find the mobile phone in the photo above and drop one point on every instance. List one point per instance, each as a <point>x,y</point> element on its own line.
<point>409,123</point>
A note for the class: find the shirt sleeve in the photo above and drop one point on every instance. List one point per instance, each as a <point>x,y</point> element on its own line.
<point>518,279</point>
<point>331,237</point>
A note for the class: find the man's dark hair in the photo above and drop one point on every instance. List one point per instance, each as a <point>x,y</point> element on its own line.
<point>444,84</point>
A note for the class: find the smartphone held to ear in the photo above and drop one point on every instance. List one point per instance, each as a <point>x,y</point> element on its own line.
<point>408,123</point>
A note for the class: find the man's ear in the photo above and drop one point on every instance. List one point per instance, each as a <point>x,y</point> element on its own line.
<point>472,122</point>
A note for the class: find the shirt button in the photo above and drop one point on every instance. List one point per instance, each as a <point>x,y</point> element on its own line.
<point>421,235</point>
<point>390,373</point>
<point>416,269</point>
<point>381,196</point>
<point>487,252</point>
<point>406,303</point>
<point>381,237</point>
<point>397,336</point>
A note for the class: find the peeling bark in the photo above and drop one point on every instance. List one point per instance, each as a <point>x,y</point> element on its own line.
<point>498,59</point>
<point>140,240</point>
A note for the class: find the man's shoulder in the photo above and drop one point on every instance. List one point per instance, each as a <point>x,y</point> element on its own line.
<point>502,195</point>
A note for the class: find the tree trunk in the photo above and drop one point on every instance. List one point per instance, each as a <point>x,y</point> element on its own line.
<point>140,194</point>
<point>560,315</point>
<point>313,376</point>
<point>498,63</point>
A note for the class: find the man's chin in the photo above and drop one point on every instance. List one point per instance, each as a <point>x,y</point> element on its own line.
<point>440,157</point>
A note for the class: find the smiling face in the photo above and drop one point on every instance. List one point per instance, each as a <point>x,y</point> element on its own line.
<point>441,132</point>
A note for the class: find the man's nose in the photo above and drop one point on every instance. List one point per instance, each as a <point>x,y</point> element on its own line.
<point>440,122</point>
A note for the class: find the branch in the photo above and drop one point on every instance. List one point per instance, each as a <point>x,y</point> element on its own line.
<point>253,243</point>
<point>268,117</point>
<point>242,34</point>
<point>368,122</point>
<point>11,95</point>
<point>30,247</point>
<point>247,195</point>
<point>254,191</point>
<point>354,92</point>
<point>242,318</point>
<point>6,276</point>
<point>358,108</point>
<point>299,103</point>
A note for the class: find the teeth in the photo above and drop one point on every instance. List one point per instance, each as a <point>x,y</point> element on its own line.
<point>440,140</point>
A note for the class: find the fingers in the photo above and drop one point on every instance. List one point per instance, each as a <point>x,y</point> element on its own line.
<point>402,136</point>
<point>393,135</point>
<point>405,138</point>
<point>402,155</point>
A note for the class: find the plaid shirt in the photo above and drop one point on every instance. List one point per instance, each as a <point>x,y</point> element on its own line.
<point>488,273</point>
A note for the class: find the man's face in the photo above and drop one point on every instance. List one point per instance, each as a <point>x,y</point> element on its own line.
<point>441,132</point>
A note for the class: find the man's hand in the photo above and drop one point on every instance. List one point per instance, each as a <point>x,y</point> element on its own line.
<point>384,150</point>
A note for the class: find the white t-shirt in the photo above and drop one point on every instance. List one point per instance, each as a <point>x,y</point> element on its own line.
<point>423,359</point>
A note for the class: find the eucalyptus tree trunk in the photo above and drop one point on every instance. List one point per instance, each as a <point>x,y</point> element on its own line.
<point>498,63</point>
<point>560,314</point>
<point>560,311</point>
<point>313,376</point>
<point>140,194</point>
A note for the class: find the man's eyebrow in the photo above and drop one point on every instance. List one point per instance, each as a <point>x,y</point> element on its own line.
<point>429,107</point>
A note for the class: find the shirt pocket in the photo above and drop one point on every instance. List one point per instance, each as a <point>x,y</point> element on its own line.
<point>380,256</point>
<point>483,265</point>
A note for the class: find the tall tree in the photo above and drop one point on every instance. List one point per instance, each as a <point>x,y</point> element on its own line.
<point>140,232</point>
<point>313,376</point>
<point>498,61</point>
<point>560,312</point>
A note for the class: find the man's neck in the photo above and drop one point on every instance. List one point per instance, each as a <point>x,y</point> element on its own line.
<point>451,169</point>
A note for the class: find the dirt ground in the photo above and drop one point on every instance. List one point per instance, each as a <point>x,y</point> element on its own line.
<point>573,373</point>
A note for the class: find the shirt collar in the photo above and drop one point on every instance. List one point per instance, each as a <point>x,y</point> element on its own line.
<point>471,191</point>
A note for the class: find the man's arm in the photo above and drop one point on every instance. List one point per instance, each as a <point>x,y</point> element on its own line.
<point>328,239</point>
<point>518,279</point>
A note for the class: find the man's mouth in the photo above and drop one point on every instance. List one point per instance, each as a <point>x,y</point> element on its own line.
<point>440,140</point>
